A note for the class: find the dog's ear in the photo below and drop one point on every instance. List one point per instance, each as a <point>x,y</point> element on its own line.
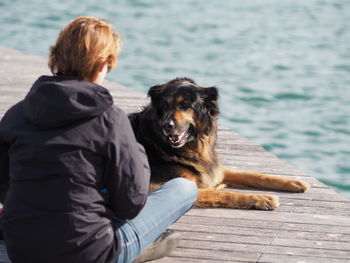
<point>210,97</point>
<point>154,93</point>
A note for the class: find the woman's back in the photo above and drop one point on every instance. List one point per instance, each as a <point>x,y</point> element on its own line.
<point>56,170</point>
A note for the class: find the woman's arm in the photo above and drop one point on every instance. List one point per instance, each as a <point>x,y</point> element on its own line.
<point>4,170</point>
<point>128,173</point>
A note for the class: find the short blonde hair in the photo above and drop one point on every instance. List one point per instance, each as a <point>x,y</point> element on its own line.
<point>83,46</point>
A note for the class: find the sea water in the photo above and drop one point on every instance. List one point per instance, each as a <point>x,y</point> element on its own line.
<point>282,66</point>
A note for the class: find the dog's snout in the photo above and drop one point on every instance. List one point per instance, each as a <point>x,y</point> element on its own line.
<point>168,126</point>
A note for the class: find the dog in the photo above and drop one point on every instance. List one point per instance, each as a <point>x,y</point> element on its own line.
<point>178,130</point>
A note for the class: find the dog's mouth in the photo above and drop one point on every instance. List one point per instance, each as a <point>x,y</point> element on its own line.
<point>178,140</point>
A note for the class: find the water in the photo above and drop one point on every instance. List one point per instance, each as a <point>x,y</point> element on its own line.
<point>282,66</point>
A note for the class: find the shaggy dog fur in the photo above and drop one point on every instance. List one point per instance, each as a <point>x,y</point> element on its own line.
<point>178,130</point>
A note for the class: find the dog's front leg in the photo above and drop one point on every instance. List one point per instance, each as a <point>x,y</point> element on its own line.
<point>213,198</point>
<point>262,181</point>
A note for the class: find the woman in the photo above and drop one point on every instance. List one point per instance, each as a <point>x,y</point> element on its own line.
<point>73,179</point>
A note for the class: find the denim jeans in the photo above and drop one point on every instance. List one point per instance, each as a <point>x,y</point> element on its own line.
<point>163,207</point>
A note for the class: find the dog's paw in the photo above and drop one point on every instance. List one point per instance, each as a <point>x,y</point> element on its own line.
<point>220,186</point>
<point>297,186</point>
<point>264,202</point>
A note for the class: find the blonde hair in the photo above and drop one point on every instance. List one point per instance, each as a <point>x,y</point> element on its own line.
<point>83,46</point>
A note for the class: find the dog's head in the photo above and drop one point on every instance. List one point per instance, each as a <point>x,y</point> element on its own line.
<point>184,111</point>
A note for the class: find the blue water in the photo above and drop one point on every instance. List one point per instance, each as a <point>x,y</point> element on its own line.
<point>282,66</point>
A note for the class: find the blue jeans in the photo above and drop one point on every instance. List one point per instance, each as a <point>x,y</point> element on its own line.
<point>163,207</point>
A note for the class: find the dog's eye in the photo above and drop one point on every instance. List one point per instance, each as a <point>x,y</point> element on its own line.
<point>185,105</point>
<point>161,108</point>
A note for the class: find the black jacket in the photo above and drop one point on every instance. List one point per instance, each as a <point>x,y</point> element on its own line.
<point>59,147</point>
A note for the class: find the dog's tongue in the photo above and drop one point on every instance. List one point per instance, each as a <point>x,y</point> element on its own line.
<point>177,137</point>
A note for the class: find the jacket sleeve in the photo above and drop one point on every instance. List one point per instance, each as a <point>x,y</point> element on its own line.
<point>129,172</point>
<point>4,171</point>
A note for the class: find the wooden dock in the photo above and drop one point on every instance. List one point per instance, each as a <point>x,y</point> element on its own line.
<point>309,227</point>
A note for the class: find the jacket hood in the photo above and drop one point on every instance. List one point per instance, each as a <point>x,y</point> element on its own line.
<point>55,101</point>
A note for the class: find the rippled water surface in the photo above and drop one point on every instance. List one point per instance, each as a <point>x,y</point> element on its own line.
<point>282,66</point>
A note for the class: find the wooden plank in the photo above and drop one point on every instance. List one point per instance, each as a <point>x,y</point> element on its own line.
<point>258,235</point>
<point>316,244</point>
<point>257,223</point>
<point>266,249</point>
<point>291,258</point>
<point>218,255</point>
<point>183,259</point>
<point>331,220</point>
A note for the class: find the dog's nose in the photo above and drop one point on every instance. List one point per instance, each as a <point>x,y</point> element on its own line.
<point>168,126</point>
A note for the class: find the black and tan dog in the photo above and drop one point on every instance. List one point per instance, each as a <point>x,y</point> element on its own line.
<point>178,130</point>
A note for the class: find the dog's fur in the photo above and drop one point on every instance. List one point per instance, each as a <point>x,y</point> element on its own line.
<point>178,130</point>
